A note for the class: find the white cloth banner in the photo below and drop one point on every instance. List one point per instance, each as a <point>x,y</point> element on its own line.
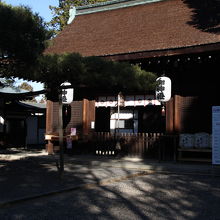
<point>130,100</point>
<point>139,100</point>
<point>102,102</point>
<point>111,101</point>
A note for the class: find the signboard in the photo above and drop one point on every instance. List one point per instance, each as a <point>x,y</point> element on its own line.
<point>163,89</point>
<point>92,125</point>
<point>215,134</point>
<point>67,94</point>
<point>72,131</point>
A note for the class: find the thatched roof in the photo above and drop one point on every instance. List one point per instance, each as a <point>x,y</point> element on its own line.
<point>151,27</point>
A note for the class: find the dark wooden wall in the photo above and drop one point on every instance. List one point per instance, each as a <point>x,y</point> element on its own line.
<point>82,113</point>
<point>189,114</point>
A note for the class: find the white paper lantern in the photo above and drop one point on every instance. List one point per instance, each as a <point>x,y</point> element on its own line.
<point>163,89</point>
<point>67,94</point>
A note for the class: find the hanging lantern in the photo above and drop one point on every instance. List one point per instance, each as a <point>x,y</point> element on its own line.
<point>163,89</point>
<point>67,94</point>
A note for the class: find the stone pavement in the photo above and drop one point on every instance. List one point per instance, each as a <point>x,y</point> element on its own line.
<point>25,175</point>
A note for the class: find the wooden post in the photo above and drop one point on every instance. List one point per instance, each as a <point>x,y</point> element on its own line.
<point>49,126</point>
<point>169,115</point>
<point>176,114</point>
<point>61,165</point>
<point>49,147</point>
<point>85,117</point>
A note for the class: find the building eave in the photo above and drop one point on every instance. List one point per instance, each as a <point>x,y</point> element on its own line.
<point>165,52</point>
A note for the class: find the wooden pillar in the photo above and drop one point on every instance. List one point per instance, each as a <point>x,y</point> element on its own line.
<point>49,117</point>
<point>49,125</point>
<point>91,115</point>
<point>177,113</point>
<point>88,116</point>
<point>85,117</point>
<point>173,120</point>
<point>169,116</point>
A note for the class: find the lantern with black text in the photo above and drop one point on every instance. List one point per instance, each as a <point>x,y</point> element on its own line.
<point>163,89</point>
<point>67,93</point>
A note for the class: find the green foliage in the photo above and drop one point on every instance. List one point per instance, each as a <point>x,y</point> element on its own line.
<point>119,76</point>
<point>23,37</point>
<point>61,13</point>
<point>56,69</point>
<point>23,34</point>
<point>93,73</point>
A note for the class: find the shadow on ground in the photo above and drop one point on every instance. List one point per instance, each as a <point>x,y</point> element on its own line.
<point>153,196</point>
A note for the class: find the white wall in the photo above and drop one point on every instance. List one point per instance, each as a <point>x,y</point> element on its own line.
<point>123,116</point>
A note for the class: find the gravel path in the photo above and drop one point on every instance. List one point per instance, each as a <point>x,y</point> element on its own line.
<point>105,188</point>
<point>154,196</point>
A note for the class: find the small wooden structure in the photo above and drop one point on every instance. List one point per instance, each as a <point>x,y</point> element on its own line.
<point>22,123</point>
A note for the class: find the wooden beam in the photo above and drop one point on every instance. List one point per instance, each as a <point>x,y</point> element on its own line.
<point>164,53</point>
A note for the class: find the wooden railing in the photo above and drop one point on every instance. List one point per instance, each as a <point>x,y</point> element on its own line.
<point>130,144</point>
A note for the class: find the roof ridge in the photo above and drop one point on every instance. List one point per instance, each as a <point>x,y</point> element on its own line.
<point>111,5</point>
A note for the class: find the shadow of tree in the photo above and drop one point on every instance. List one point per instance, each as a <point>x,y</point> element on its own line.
<point>206,15</point>
<point>21,150</point>
<point>153,196</point>
<point>38,175</point>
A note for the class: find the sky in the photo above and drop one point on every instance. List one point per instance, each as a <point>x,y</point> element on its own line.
<point>42,8</point>
<point>39,6</point>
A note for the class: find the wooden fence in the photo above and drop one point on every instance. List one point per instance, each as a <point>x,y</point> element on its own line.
<point>147,145</point>
<point>130,144</point>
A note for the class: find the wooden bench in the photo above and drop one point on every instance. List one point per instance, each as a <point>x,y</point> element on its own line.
<point>194,151</point>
